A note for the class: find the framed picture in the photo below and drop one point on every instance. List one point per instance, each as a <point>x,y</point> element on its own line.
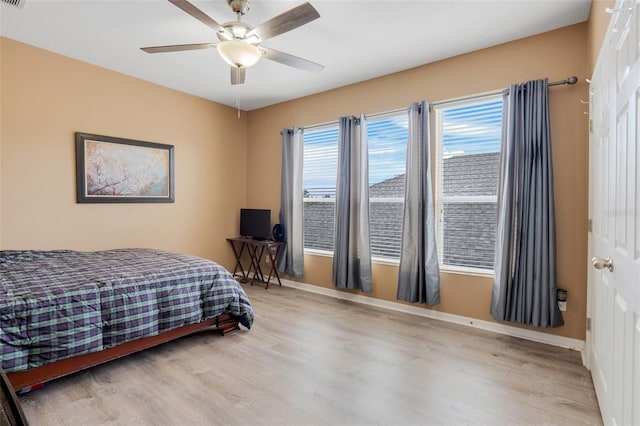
<point>115,170</point>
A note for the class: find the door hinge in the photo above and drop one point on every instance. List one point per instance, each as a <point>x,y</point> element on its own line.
<point>590,125</point>
<point>588,324</point>
<point>590,225</point>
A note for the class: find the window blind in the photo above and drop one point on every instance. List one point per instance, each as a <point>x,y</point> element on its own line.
<point>387,137</point>
<point>468,164</point>
<point>319,171</point>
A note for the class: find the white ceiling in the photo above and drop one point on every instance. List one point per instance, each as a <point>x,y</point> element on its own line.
<point>355,40</point>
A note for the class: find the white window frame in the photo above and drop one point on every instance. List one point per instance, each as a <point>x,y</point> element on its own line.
<point>375,259</point>
<point>390,115</point>
<point>328,253</point>
<point>441,199</point>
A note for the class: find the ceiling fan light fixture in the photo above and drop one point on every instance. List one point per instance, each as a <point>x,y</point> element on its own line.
<point>225,35</point>
<point>238,53</point>
<point>239,42</point>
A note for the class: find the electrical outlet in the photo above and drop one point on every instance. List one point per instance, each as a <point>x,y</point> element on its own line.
<point>562,306</point>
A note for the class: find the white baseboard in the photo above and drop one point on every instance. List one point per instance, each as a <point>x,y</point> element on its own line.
<point>536,336</point>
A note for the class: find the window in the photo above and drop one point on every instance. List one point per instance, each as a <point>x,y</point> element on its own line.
<point>467,165</point>
<point>387,137</point>
<point>319,171</point>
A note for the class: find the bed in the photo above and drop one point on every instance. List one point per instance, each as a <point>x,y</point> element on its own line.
<point>63,311</point>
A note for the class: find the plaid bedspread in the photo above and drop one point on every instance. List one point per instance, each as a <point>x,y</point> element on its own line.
<point>57,304</point>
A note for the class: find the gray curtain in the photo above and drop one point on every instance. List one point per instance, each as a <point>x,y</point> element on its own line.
<point>352,247</point>
<point>291,261</point>
<point>524,288</point>
<point>419,272</point>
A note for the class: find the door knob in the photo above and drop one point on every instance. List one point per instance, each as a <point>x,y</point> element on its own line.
<point>600,263</point>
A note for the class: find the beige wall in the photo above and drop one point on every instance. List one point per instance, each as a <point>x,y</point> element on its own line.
<point>1,104</point>
<point>46,98</point>
<point>556,55</point>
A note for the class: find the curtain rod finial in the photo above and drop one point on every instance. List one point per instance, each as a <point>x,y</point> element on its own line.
<point>572,80</point>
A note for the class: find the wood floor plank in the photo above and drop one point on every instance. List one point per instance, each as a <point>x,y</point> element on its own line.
<point>315,360</point>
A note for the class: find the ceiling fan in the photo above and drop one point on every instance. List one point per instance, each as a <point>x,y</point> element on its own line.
<point>239,42</point>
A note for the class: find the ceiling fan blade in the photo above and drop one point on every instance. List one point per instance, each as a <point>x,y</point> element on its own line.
<point>237,75</point>
<point>178,47</point>
<point>286,21</point>
<point>291,60</point>
<point>199,15</point>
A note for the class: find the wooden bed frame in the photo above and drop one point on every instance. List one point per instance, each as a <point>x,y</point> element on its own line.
<point>11,413</point>
<point>20,380</point>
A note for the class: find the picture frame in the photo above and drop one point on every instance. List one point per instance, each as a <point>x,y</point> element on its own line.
<point>117,170</point>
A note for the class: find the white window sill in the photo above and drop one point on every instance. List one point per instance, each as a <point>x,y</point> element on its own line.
<point>385,261</point>
<point>395,262</point>
<point>321,253</point>
<point>378,260</point>
<point>476,272</point>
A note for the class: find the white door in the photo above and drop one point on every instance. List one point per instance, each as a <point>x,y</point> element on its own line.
<point>613,344</point>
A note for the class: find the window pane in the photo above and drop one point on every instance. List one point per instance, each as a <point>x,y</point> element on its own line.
<point>473,174</point>
<point>386,228</point>
<point>470,148</point>
<point>472,128</point>
<point>468,166</point>
<point>469,234</point>
<point>387,137</point>
<point>320,162</point>
<point>318,224</point>
<point>320,168</point>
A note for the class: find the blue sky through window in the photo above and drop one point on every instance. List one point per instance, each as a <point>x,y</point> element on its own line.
<point>320,162</point>
<point>472,129</point>
<point>467,129</point>
<point>387,137</point>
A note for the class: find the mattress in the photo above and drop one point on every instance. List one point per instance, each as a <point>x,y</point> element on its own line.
<point>62,303</point>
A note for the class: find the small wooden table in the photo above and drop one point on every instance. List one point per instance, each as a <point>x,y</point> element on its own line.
<point>257,249</point>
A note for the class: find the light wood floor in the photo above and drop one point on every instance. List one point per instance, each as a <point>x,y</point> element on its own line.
<point>315,360</point>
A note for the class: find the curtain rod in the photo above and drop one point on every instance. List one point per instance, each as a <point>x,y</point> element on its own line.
<point>570,81</point>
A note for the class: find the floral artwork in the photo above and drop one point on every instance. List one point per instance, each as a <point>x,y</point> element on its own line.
<point>120,170</point>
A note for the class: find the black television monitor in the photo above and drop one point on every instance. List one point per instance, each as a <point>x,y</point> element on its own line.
<point>255,223</point>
